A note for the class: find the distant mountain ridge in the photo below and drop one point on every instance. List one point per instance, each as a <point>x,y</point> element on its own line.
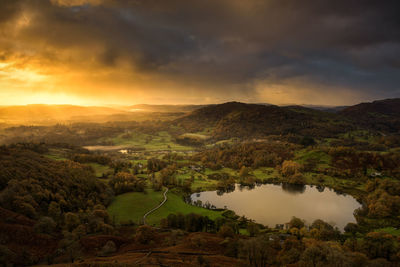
<point>50,113</point>
<point>41,114</point>
<point>164,108</point>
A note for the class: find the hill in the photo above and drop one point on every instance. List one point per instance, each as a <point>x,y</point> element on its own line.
<point>389,107</point>
<point>234,119</point>
<point>333,109</point>
<point>164,108</point>
<point>381,115</point>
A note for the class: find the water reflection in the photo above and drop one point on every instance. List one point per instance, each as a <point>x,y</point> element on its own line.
<point>272,204</point>
<point>320,188</point>
<point>293,188</point>
<point>246,187</point>
<point>227,189</point>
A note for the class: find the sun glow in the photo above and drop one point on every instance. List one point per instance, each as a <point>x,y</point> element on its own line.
<point>8,71</point>
<point>55,99</point>
<point>49,98</point>
<point>28,85</point>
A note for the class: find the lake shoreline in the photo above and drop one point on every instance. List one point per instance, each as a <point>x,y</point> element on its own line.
<point>303,201</point>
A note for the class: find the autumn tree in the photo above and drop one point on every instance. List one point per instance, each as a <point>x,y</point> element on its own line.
<point>290,168</point>
<point>124,182</point>
<point>296,222</point>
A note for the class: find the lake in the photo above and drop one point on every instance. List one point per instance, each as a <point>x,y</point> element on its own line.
<point>272,204</point>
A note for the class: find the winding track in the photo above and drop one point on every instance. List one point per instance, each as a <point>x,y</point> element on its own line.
<point>156,208</point>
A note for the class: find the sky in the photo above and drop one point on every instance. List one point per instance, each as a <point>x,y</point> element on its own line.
<point>122,52</point>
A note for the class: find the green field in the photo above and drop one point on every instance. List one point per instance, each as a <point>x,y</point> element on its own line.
<point>389,230</point>
<point>227,141</point>
<point>201,181</point>
<point>55,157</point>
<point>132,207</point>
<point>196,136</point>
<point>265,172</point>
<point>229,171</point>
<point>359,135</point>
<point>321,157</point>
<point>100,169</point>
<point>159,141</point>
<point>56,154</point>
<point>175,204</point>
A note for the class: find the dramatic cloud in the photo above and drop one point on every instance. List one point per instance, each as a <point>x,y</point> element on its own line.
<point>176,51</point>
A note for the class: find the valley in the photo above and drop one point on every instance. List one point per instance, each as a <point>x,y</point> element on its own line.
<point>75,184</point>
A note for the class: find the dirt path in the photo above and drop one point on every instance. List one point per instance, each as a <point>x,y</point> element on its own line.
<point>156,208</point>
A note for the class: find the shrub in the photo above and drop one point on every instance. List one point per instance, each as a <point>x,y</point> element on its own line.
<point>226,231</point>
<point>45,225</point>
<point>108,249</point>
<point>144,234</point>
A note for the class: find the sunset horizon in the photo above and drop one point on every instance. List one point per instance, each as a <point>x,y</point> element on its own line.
<point>103,52</point>
<point>111,105</point>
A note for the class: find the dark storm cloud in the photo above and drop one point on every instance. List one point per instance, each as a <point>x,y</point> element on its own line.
<point>8,8</point>
<point>225,44</point>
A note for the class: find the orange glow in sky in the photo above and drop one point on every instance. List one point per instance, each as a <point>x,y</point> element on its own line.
<point>101,52</point>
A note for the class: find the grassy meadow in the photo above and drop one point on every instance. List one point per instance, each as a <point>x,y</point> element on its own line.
<point>130,207</point>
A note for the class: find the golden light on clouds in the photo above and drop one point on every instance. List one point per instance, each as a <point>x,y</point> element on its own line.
<point>106,52</point>
<point>22,85</point>
<point>26,75</point>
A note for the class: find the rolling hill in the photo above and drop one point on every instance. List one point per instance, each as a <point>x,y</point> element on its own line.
<point>381,115</point>
<point>234,119</point>
<point>164,108</point>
